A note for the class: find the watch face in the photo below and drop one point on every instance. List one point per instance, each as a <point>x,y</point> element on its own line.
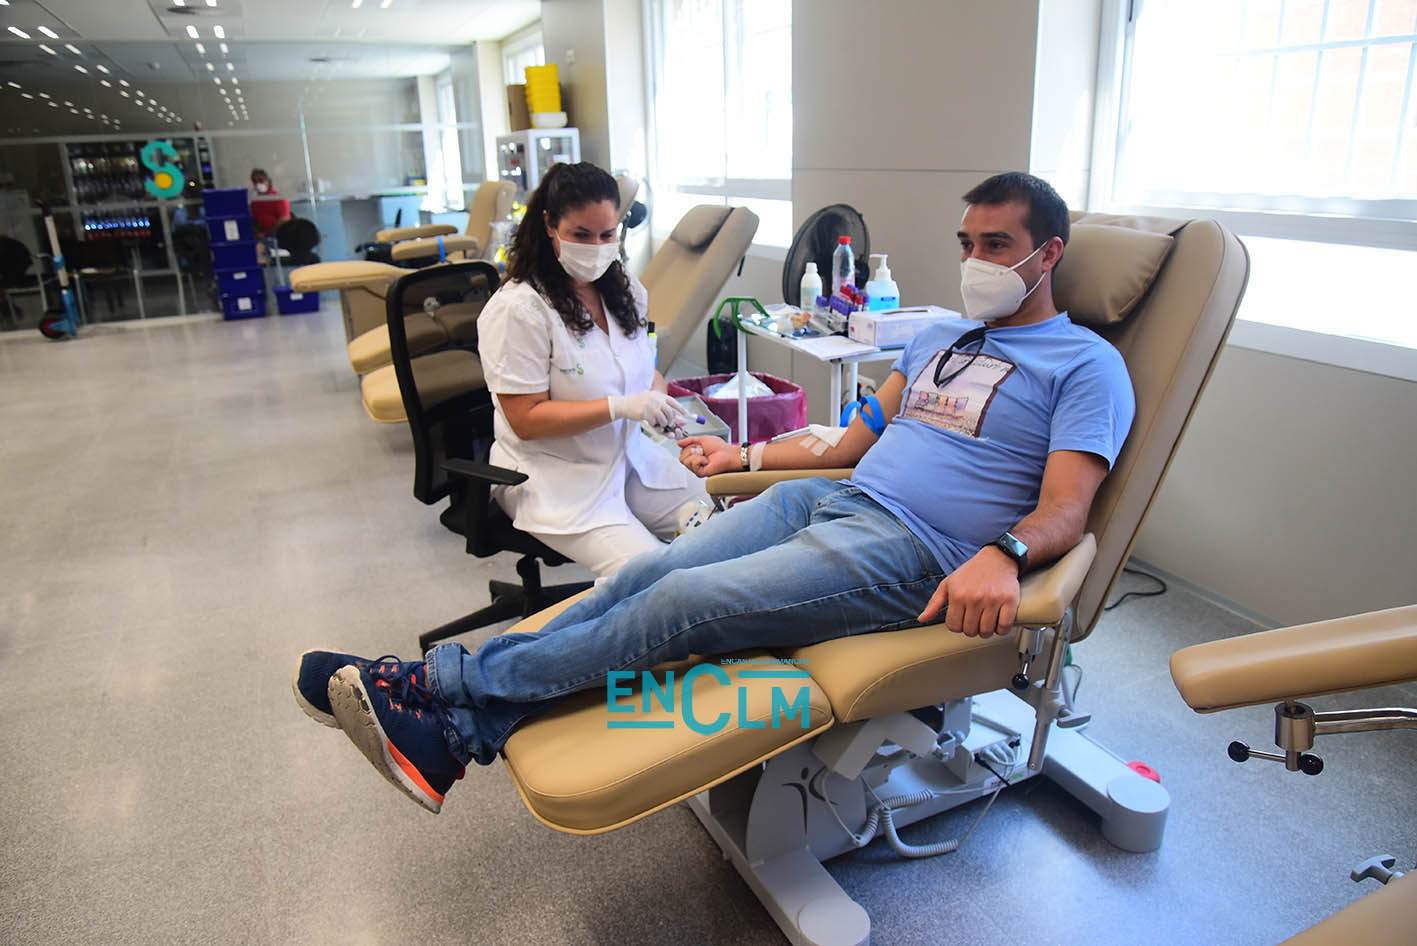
<point>1012,547</point>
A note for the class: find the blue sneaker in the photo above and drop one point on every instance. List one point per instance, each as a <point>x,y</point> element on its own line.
<point>311,681</point>
<point>398,725</point>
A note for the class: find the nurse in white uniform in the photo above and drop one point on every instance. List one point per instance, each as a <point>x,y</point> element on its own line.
<point>567,357</point>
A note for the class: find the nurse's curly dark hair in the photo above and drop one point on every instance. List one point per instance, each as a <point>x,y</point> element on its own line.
<point>564,188</point>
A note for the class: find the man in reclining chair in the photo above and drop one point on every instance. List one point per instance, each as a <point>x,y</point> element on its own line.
<point>981,458</point>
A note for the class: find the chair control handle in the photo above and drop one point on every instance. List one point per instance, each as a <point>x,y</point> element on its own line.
<point>1379,867</point>
<point>1305,762</point>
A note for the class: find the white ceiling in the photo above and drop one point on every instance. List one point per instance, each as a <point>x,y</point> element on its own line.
<point>147,44</point>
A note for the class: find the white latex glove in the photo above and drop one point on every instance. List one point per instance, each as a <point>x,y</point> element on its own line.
<point>660,410</point>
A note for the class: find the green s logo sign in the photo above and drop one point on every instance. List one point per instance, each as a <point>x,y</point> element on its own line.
<point>167,176</point>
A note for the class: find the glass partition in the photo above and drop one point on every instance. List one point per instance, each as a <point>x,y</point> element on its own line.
<point>350,135</point>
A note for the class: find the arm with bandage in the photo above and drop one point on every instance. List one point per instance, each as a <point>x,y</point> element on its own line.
<point>815,448</point>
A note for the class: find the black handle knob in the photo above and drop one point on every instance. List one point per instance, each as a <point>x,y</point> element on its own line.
<point>1310,764</point>
<point>1019,682</point>
<point>1238,751</point>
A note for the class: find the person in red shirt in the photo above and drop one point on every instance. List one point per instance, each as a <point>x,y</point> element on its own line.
<point>268,209</point>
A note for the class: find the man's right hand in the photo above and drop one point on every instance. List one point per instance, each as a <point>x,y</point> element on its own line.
<point>705,456</point>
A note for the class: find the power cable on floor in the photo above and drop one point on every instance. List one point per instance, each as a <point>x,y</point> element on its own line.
<point>1139,594</point>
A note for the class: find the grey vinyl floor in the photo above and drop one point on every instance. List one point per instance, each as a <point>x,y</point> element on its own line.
<point>189,504</point>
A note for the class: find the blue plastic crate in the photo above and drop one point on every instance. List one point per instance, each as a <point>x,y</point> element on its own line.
<point>229,229</point>
<point>225,202</point>
<point>234,255</point>
<point>289,302</point>
<point>241,282</point>
<point>243,307</point>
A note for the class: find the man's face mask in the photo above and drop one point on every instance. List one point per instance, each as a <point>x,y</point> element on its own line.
<point>586,262</point>
<point>991,290</point>
<point>262,187</point>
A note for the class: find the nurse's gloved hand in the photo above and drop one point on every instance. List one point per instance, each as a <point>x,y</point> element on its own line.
<point>659,409</point>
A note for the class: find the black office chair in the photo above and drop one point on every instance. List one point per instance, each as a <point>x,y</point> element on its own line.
<point>449,412</point>
<point>15,263</point>
<point>299,237</point>
<point>191,244</point>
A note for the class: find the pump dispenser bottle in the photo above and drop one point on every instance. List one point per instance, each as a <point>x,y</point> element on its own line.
<point>881,290</point>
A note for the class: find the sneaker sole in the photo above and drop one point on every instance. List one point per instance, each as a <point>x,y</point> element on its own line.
<point>356,717</point>
<point>310,709</point>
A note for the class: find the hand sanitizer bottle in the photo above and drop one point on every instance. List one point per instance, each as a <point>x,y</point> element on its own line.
<point>881,290</point>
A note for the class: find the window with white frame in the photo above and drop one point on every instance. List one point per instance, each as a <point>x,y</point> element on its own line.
<point>523,48</point>
<point>1295,122</point>
<point>721,110</point>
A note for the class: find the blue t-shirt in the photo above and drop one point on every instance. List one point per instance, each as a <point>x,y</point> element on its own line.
<point>963,464</point>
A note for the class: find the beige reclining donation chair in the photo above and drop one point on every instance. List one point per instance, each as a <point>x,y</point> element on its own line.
<point>894,727</point>
<point>363,285</point>
<point>1292,663</point>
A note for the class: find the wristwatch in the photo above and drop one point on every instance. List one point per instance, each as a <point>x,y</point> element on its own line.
<point>743,453</point>
<point>1014,549</point>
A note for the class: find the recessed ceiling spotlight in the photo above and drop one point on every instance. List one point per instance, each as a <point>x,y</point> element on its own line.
<point>105,83</point>
<point>123,82</point>
<point>14,85</point>
<point>81,69</point>
<point>219,31</point>
<point>73,49</point>
<point>191,31</point>
<point>47,49</point>
<point>122,93</point>
<point>211,68</point>
<point>384,4</point>
<point>19,32</point>
<point>356,4</point>
<point>138,92</point>
<point>44,95</point>
<point>68,103</point>
<point>233,81</point>
<point>211,3</point>
<point>101,68</point>
<point>216,79</point>
<point>26,95</point>
<point>224,50</point>
<point>201,49</point>
<point>48,32</point>
<point>179,3</point>
<point>53,104</point>
<point>231,67</point>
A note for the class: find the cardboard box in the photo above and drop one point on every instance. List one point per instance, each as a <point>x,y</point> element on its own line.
<point>892,328</point>
<point>517,112</point>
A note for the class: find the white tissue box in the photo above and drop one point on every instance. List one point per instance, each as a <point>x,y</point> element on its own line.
<point>892,328</point>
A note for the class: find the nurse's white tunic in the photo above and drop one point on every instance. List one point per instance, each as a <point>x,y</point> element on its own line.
<point>575,483</point>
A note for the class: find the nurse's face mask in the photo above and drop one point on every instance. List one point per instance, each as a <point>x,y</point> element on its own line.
<point>586,240</point>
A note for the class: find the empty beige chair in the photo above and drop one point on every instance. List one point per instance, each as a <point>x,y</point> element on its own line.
<point>1164,292</point>
<point>491,202</point>
<point>363,285</point>
<point>1290,664</point>
<point>687,272</point>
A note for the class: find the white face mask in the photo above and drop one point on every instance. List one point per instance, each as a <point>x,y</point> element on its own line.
<point>262,187</point>
<point>991,290</point>
<point>587,262</point>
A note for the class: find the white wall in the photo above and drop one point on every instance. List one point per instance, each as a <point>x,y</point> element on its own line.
<point>573,33</point>
<point>1292,493</point>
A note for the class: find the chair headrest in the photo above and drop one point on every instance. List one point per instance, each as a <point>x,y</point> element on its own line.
<point>1106,270</point>
<point>699,226</point>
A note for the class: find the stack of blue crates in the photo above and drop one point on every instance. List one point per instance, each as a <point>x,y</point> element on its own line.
<point>239,275</point>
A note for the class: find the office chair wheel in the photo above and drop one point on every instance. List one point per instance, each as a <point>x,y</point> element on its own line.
<point>48,330</point>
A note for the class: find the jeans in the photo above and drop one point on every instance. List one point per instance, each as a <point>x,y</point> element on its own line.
<point>807,561</point>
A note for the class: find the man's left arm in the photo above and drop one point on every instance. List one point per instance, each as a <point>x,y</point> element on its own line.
<point>981,596</point>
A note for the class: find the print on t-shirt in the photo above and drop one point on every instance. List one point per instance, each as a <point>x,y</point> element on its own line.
<point>964,401</point>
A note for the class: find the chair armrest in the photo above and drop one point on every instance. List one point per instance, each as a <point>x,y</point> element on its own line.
<point>396,234</point>
<point>1045,594</point>
<point>1350,653</point>
<point>420,249</point>
<point>343,274</point>
<point>484,472</point>
<point>751,484</point>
